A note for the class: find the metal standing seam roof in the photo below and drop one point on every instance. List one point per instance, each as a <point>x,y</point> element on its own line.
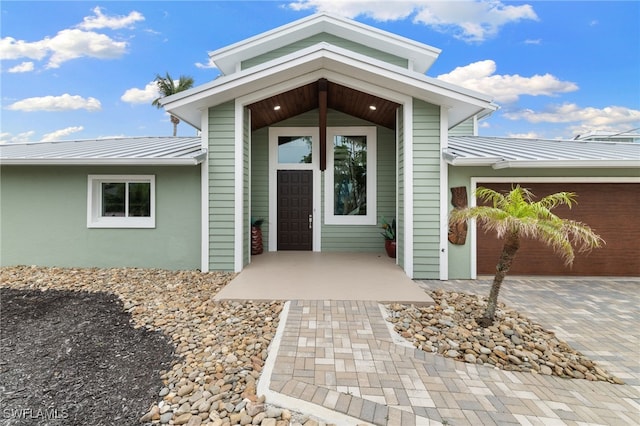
<point>503,153</point>
<point>114,151</point>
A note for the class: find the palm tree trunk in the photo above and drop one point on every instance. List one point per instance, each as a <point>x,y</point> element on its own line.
<point>175,121</point>
<point>511,246</point>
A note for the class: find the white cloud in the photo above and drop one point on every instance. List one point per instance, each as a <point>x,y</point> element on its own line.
<point>64,102</point>
<point>208,65</point>
<point>7,137</point>
<point>23,67</point>
<point>528,135</point>
<point>141,96</point>
<point>67,44</point>
<point>536,41</point>
<point>71,44</point>
<point>468,20</point>
<point>480,76</point>
<point>378,10</point>
<point>608,119</point>
<point>59,134</point>
<point>472,21</point>
<point>101,20</point>
<point>10,48</point>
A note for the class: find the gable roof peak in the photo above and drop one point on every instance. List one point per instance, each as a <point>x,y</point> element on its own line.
<point>419,55</point>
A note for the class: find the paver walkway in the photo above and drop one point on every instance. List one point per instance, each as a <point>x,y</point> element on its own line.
<point>340,360</point>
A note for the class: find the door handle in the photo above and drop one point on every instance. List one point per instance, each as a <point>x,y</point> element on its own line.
<point>310,221</point>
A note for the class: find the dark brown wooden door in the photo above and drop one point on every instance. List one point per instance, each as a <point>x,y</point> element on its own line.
<point>295,208</point>
<point>609,208</point>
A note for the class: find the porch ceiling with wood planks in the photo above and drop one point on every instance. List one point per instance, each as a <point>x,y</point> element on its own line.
<point>306,98</point>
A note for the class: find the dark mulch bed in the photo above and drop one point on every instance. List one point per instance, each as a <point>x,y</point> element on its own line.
<point>74,358</point>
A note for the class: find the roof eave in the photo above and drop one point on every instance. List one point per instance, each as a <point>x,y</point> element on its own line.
<point>556,164</point>
<point>188,105</point>
<point>192,161</point>
<point>455,160</point>
<point>227,59</point>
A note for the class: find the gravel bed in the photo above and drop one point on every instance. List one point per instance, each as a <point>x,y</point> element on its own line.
<point>513,342</point>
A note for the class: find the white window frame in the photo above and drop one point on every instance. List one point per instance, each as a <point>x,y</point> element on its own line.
<point>371,217</point>
<point>94,202</point>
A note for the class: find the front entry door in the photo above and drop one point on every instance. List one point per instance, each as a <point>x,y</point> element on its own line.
<point>295,209</point>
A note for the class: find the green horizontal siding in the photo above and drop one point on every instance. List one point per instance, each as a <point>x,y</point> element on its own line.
<point>426,190</point>
<point>463,129</point>
<point>43,220</point>
<point>327,38</point>
<point>246,189</point>
<point>222,187</point>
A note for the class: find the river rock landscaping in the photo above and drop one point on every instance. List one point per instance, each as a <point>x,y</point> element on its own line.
<point>512,343</point>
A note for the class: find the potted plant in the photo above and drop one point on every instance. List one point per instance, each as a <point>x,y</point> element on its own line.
<point>256,236</point>
<point>389,234</point>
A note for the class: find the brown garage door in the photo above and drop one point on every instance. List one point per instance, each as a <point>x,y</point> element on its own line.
<point>611,209</point>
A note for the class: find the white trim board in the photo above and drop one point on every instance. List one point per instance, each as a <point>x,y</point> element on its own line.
<point>408,187</point>
<point>204,195</point>
<point>444,197</point>
<point>239,183</point>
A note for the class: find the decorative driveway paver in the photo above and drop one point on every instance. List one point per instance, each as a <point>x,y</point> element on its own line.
<point>341,357</point>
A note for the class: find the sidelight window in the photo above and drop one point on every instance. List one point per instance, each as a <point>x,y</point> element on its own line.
<point>350,186</point>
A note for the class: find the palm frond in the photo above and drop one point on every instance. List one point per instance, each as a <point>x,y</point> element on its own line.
<point>516,212</point>
<point>167,86</point>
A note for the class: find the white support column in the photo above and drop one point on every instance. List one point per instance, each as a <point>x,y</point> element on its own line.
<point>408,188</point>
<point>238,193</point>
<point>248,241</point>
<point>204,191</point>
<point>444,195</point>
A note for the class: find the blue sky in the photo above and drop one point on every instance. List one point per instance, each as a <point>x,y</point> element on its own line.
<point>83,69</point>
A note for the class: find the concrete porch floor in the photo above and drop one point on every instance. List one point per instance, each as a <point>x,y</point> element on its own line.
<point>324,276</point>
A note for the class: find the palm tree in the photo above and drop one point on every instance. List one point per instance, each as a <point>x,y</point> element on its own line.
<point>515,215</point>
<point>167,87</point>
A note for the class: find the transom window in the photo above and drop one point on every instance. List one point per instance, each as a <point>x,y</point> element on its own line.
<point>350,179</point>
<point>294,149</point>
<point>117,201</point>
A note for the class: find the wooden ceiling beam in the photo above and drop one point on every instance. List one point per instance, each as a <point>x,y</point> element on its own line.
<point>322,120</point>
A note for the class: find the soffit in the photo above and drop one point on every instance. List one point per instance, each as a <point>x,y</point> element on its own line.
<point>340,98</point>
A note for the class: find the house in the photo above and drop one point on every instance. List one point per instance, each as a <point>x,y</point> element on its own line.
<point>630,136</point>
<point>320,127</point>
